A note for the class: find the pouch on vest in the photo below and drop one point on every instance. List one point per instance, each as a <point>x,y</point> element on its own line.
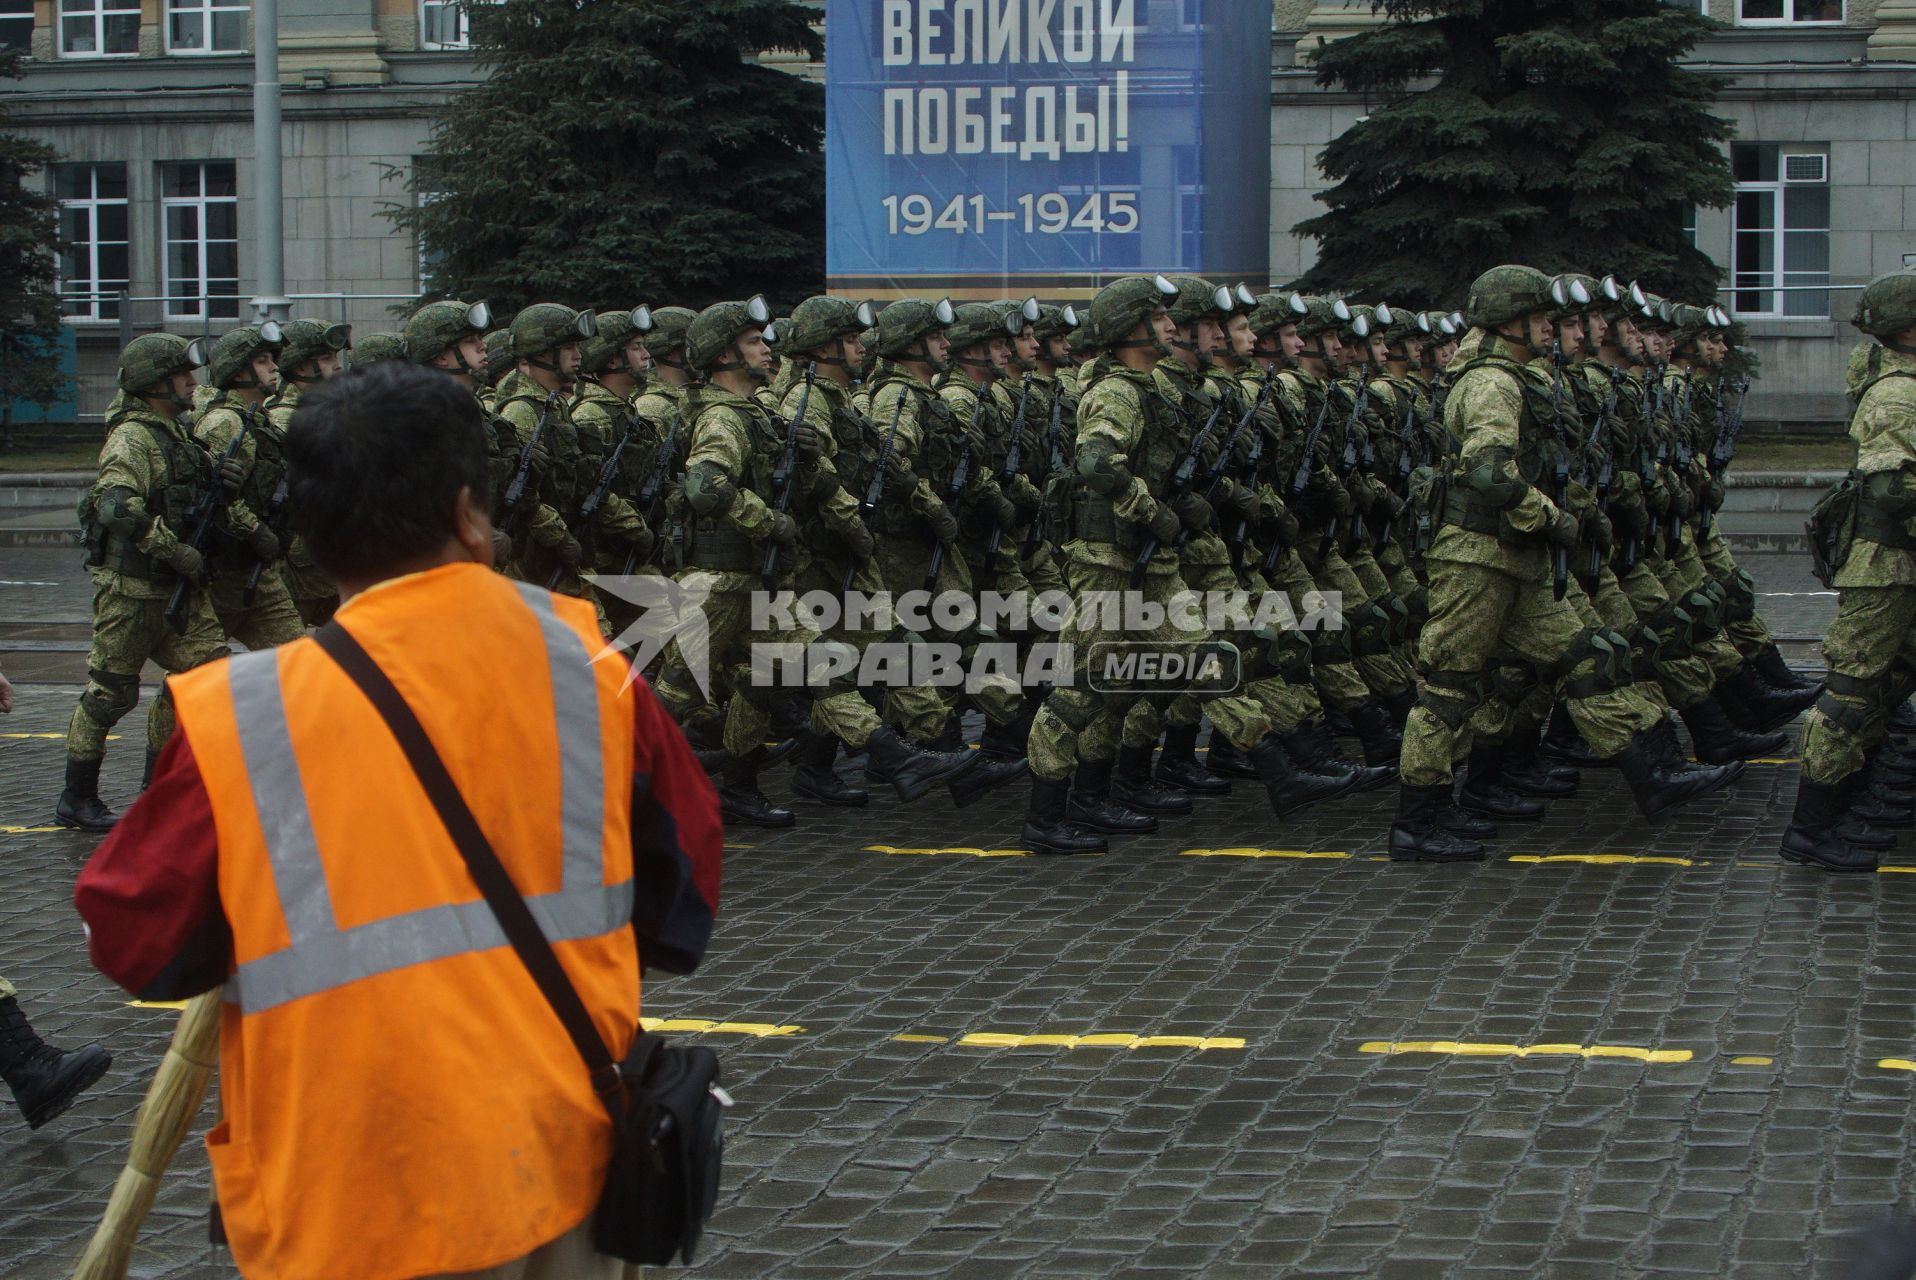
<point>1832,529</point>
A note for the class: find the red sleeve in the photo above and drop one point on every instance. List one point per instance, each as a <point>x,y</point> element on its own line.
<point>150,892</point>
<point>677,840</point>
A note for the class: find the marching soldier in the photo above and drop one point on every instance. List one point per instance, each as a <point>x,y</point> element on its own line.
<point>661,405</point>
<point>313,352</point>
<point>615,444</point>
<point>138,522</point>
<point>374,347</point>
<point>533,397</point>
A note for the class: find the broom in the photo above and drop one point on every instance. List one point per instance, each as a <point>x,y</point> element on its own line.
<point>172,1101</point>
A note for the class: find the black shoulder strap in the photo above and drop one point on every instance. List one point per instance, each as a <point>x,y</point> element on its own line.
<point>515,918</point>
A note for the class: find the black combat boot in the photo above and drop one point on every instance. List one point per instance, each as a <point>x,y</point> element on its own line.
<point>1220,757</point>
<point>1717,741</point>
<point>44,1080</point>
<point>1770,665</point>
<point>1379,734</point>
<point>1523,760</point>
<point>1047,829</point>
<point>816,779</point>
<point>1313,750</point>
<point>951,737</point>
<point>1856,825</point>
<point>1755,706</point>
<point>1133,787</point>
<point>1001,761</point>
<point>146,777</point>
<point>1657,787</point>
<point>1902,720</point>
<point>1419,835</point>
<point>912,773</point>
<point>1398,705</point>
<point>1564,745</point>
<point>1812,838</point>
<point>1862,802</point>
<point>740,800</point>
<point>1668,750</point>
<point>80,804</point>
<point>1178,763</point>
<point>1091,805</point>
<point>1485,792</point>
<point>1289,788</point>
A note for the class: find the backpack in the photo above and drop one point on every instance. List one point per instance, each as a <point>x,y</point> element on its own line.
<point>1832,528</point>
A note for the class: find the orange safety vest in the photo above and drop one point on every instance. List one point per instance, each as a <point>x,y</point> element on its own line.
<point>399,1098</point>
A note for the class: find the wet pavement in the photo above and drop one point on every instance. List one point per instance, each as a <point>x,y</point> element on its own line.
<point>1240,1047</point>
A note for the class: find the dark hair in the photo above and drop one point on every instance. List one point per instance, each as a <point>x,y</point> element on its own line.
<point>376,458</point>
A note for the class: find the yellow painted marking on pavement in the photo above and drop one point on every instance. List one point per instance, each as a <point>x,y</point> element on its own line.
<point>1897,1064</point>
<point>909,1039</point>
<point>1101,1040</point>
<point>1606,859</point>
<point>26,831</point>
<point>1896,871</point>
<point>156,1004</point>
<point>1752,1062</point>
<point>957,851</point>
<point>1467,1049</point>
<point>760,1029</point>
<point>1775,760</point>
<point>111,737</point>
<point>741,846</point>
<point>1328,854</point>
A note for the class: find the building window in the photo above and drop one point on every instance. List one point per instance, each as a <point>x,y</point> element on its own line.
<point>99,28</point>
<point>93,239</point>
<point>16,25</point>
<point>199,214</point>
<point>1787,13</point>
<point>206,26</point>
<point>1781,238</point>
<point>443,25</point>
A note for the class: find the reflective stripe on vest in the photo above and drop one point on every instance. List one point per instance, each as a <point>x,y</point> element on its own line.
<point>320,955</point>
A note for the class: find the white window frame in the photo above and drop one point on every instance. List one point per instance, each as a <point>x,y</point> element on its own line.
<point>461,19</point>
<point>91,307</point>
<point>102,10</point>
<point>26,20</point>
<point>206,10</point>
<point>177,303</point>
<point>1788,5</point>
<point>1778,285</point>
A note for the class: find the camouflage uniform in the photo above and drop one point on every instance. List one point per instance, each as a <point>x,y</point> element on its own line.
<point>314,593</point>
<point>264,615</point>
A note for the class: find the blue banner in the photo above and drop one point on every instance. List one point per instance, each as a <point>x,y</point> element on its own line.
<point>991,148</point>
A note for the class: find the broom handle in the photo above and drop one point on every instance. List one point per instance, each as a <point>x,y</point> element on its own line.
<point>172,1102</point>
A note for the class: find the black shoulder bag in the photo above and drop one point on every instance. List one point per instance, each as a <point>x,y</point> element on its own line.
<point>664,1099</point>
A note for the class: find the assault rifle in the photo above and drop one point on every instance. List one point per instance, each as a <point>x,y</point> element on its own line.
<point>1181,481</point>
<point>954,487</point>
<point>1301,480</point>
<point>522,474</point>
<point>1014,460</point>
<point>199,523</point>
<point>875,490</point>
<point>1600,474</point>
<point>275,507</point>
<point>1347,459</point>
<point>1723,445</point>
<point>1054,463</point>
<point>1253,464</point>
<point>652,495</point>
<point>596,499</point>
<point>1221,465</point>
<point>1559,473</point>
<point>785,478</point>
<point>1408,439</point>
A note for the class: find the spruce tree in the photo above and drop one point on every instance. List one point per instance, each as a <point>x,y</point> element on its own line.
<point>29,303</point>
<point>627,151</point>
<point>1559,133</point>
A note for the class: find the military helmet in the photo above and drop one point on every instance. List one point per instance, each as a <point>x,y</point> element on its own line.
<point>1574,294</point>
<point>1123,305</point>
<point>719,326</point>
<point>1322,315</point>
<point>545,326</point>
<point>1507,293</point>
<point>438,327</point>
<point>980,322</point>
<point>1029,312</point>
<point>235,350</point>
<point>375,347</point>
<point>614,330</point>
<point>1055,322</point>
<point>910,319</point>
<point>816,322</point>
<point>305,340</point>
<point>668,332</point>
<point>1690,322</point>
<point>152,358</point>
<point>499,357</point>
<point>1275,310</point>
<point>1888,305</point>
<point>1198,298</point>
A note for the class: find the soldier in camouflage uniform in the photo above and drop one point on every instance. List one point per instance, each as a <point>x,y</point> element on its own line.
<point>615,446</point>
<point>1491,590</point>
<point>1850,771</point>
<point>660,404</point>
<point>492,370</point>
<point>134,520</point>
<point>249,595</point>
<point>313,352</point>
<point>374,347</point>
<point>733,463</point>
<point>533,398</point>
<point>450,336</point>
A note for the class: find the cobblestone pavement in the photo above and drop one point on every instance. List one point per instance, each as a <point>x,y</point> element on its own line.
<point>1236,1048</point>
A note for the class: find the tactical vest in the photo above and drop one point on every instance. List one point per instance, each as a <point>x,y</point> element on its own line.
<point>1166,435</point>
<point>713,542</point>
<point>560,485</point>
<point>186,472</point>
<point>1468,509</point>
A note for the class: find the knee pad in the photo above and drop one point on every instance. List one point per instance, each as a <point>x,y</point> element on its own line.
<point>1675,630</point>
<point>1076,707</point>
<point>1398,612</point>
<point>1739,597</point>
<point>1371,628</point>
<point>1705,608</point>
<point>1646,649</point>
<point>1512,681</point>
<point>1289,655</point>
<point>1842,694</point>
<point>108,697</point>
<point>1451,696</point>
<point>1608,655</point>
<point>1330,648</point>
<point>1217,670</point>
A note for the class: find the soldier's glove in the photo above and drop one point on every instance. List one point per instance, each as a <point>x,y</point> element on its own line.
<point>1564,531</point>
<point>186,561</point>
<point>1683,501</point>
<point>1390,506</point>
<point>784,529</point>
<point>1340,500</point>
<point>263,543</point>
<point>1603,535</point>
<point>1635,517</point>
<point>501,547</point>
<point>811,447</point>
<point>898,475</point>
<point>1281,527</point>
<point>232,474</point>
<point>1241,502</point>
<point>1196,513</point>
<point>640,545</point>
<point>568,551</point>
<point>1004,511</point>
<point>1164,524</point>
<point>944,525</point>
<point>1025,496</point>
<point>858,541</point>
<point>1713,493</point>
<point>1363,495</point>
